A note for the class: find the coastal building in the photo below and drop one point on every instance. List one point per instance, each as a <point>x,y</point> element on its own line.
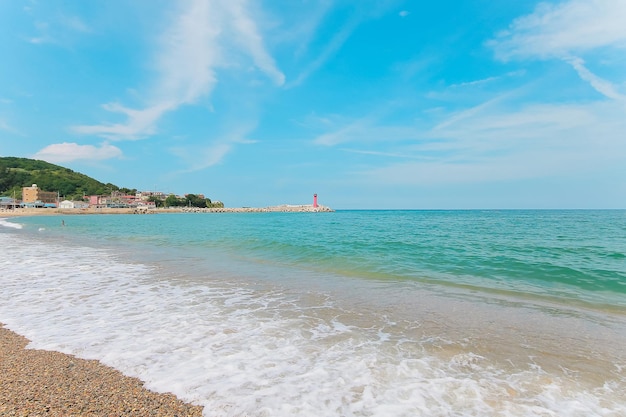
<point>145,195</point>
<point>34,194</point>
<point>116,200</point>
<point>94,200</point>
<point>146,204</point>
<point>67,204</point>
<point>7,203</point>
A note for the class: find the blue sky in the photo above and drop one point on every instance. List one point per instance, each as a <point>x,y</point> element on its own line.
<point>370,104</point>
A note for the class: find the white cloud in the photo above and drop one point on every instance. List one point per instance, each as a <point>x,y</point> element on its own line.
<point>503,138</point>
<point>491,145</point>
<point>247,36</point>
<point>4,125</point>
<point>44,35</point>
<point>367,131</point>
<point>203,38</point>
<point>362,12</point>
<point>567,31</point>
<point>67,152</point>
<point>404,13</point>
<point>602,86</point>
<point>328,52</point>
<point>200,157</point>
<point>564,29</point>
<point>303,25</point>
<point>75,23</point>
<point>140,123</point>
<point>55,31</point>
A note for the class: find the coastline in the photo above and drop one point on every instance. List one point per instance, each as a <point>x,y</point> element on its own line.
<point>285,208</point>
<point>38,382</point>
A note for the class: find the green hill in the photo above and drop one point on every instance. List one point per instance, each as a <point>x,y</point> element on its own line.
<point>16,173</point>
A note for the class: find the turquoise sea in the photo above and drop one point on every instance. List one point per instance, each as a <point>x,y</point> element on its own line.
<point>350,313</point>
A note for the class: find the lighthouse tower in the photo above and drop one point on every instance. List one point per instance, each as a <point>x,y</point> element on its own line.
<point>314,200</point>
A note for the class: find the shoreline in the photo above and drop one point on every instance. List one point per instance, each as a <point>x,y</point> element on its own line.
<point>38,382</point>
<point>21,212</point>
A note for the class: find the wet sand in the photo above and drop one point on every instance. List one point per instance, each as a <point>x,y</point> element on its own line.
<point>39,382</point>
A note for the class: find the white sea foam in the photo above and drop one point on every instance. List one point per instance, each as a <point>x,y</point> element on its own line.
<point>5,223</point>
<point>239,350</point>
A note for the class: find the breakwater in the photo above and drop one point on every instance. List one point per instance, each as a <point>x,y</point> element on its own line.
<point>285,208</point>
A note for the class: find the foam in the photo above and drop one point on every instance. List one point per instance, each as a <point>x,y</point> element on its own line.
<point>239,350</point>
<point>5,223</point>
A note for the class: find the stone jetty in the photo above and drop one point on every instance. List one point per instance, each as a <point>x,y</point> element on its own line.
<point>285,208</point>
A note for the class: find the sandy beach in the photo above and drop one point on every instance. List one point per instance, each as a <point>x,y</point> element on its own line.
<point>39,382</point>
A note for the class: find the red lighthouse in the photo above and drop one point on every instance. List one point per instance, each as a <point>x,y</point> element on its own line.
<point>314,200</point>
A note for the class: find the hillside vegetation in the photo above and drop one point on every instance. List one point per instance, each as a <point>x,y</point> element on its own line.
<point>16,173</point>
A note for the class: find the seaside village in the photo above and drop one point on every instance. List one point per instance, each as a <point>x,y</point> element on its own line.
<point>35,197</point>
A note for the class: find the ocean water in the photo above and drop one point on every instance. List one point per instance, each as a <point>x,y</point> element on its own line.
<point>351,313</point>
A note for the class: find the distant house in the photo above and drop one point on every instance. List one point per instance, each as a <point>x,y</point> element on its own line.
<point>7,203</point>
<point>94,200</point>
<point>67,204</point>
<point>146,204</point>
<point>33,204</point>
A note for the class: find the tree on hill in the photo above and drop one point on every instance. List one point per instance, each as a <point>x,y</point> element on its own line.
<point>16,173</point>
<point>190,200</point>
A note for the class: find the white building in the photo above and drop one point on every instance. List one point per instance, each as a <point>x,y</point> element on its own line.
<point>67,204</point>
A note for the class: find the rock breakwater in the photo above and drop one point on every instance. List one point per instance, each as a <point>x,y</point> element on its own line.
<point>285,208</point>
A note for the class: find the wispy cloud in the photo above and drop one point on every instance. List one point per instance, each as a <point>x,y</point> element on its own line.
<point>204,37</point>
<point>247,36</point>
<point>139,124</point>
<point>533,142</point>
<point>58,30</point>
<point>604,87</point>
<point>302,29</point>
<point>369,128</point>
<point>75,23</point>
<point>564,29</point>
<point>200,157</point>
<point>5,126</point>
<point>331,48</point>
<point>567,31</point>
<point>361,13</point>
<point>497,140</point>
<point>381,153</point>
<point>68,152</point>
<point>43,34</point>
<point>488,80</point>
